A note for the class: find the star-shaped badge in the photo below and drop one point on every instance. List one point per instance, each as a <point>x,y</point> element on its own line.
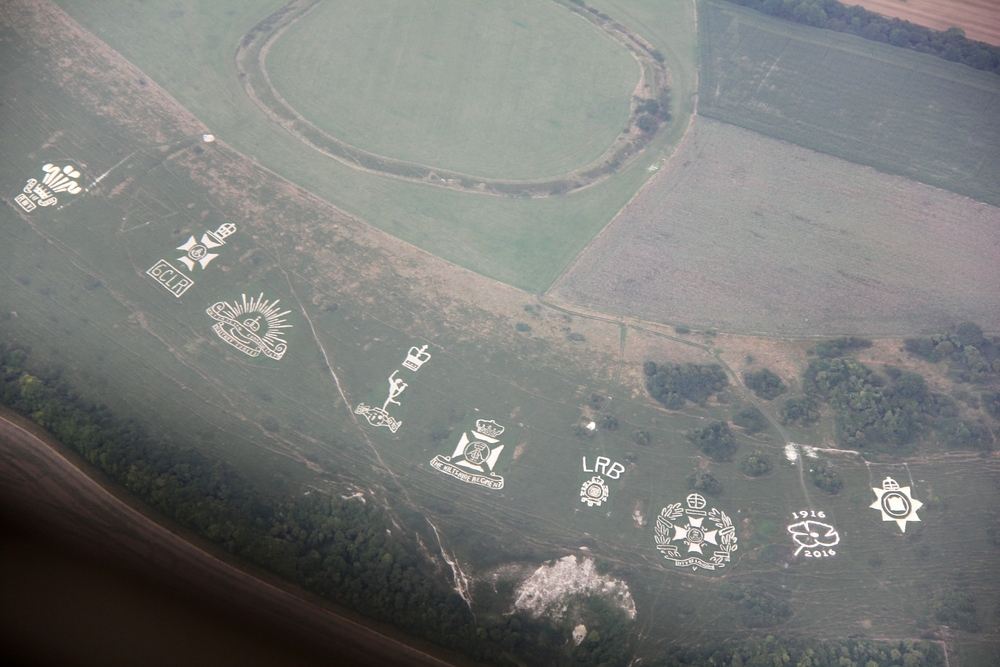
<point>896,503</point>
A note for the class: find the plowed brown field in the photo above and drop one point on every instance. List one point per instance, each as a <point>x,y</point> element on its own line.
<point>980,19</point>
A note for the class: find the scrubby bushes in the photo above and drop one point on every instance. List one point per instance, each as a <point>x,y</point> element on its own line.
<point>869,411</point>
<point>838,347</point>
<point>826,478</point>
<point>750,418</point>
<point>757,608</point>
<point>704,482</point>
<point>716,440</point>
<point>673,384</point>
<point>973,357</point>
<point>756,464</point>
<point>803,410</point>
<point>764,383</point>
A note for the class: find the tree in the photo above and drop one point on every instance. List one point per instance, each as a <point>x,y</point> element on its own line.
<point>764,384</point>
<point>804,410</point>
<point>825,478</point>
<point>750,418</point>
<point>647,123</point>
<point>756,464</point>
<point>716,440</point>
<point>704,482</point>
<point>672,384</point>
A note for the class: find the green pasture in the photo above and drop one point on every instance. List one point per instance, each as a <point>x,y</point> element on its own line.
<point>899,111</point>
<point>518,90</point>
<point>747,233</point>
<point>188,49</point>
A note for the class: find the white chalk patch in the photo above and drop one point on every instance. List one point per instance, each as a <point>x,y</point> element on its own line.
<point>791,453</point>
<point>896,503</point>
<point>553,586</point>
<point>810,451</point>
<point>208,138</point>
<point>416,357</point>
<point>579,634</point>
<point>55,181</point>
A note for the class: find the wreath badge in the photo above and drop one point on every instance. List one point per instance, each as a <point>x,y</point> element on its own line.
<point>677,527</point>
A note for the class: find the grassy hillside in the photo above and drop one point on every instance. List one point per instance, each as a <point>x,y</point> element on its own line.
<point>901,112</point>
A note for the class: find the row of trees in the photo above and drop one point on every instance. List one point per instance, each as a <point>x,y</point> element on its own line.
<point>951,44</point>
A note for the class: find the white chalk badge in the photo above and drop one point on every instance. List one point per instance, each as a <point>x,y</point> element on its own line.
<point>54,183</point>
<point>600,474</point>
<point>480,455</point>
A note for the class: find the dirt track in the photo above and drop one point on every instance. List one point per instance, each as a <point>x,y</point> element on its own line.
<point>980,19</point>
<point>106,583</point>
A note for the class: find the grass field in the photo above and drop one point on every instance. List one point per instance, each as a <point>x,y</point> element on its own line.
<point>521,91</point>
<point>748,233</point>
<point>358,300</point>
<point>901,112</point>
<point>188,49</point>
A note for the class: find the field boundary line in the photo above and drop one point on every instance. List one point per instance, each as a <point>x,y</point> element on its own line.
<point>572,262</point>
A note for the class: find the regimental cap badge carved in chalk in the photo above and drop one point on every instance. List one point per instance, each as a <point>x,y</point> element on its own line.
<point>594,491</point>
<point>474,458</point>
<point>678,528</point>
<point>896,503</point>
<point>380,416</point>
<point>198,253</point>
<point>417,357</point>
<point>55,181</point>
<point>252,326</point>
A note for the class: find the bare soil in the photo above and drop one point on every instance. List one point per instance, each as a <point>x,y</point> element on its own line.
<point>980,19</point>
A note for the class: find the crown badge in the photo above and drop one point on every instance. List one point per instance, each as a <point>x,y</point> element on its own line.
<point>489,428</point>
<point>57,180</point>
<point>417,357</point>
<point>896,503</point>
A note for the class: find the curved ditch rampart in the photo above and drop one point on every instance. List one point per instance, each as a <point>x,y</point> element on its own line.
<point>251,56</point>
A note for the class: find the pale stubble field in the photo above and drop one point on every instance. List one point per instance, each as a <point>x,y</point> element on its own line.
<point>747,233</point>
